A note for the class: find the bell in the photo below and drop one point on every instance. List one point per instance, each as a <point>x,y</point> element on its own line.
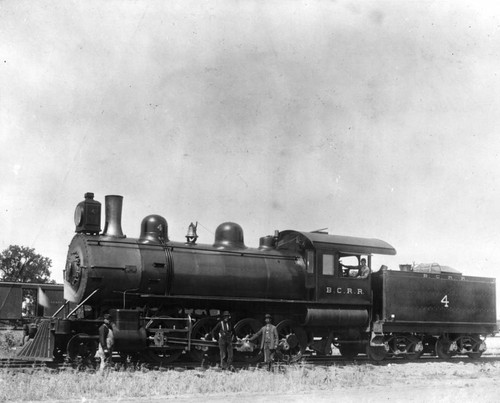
<point>191,236</point>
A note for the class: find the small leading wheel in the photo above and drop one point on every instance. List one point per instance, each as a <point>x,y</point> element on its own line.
<point>246,328</point>
<point>443,345</point>
<point>376,353</point>
<point>201,329</point>
<point>292,340</point>
<point>81,350</point>
<point>58,354</point>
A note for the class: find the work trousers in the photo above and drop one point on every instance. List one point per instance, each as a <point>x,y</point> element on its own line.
<point>106,359</point>
<point>267,353</point>
<point>226,352</point>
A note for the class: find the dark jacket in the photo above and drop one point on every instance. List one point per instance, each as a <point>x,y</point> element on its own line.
<point>219,331</point>
<point>103,335</point>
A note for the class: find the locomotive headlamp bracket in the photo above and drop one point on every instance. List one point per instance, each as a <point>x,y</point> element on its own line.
<point>88,215</point>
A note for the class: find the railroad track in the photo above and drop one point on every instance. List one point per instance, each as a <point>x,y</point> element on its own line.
<point>17,363</point>
<point>308,360</point>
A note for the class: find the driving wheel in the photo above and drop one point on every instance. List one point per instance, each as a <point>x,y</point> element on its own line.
<point>202,330</point>
<point>243,329</point>
<point>292,340</point>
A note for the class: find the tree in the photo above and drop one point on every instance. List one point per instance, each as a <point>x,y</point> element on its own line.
<point>22,264</point>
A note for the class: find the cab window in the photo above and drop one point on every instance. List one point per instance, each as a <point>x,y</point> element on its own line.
<point>310,261</point>
<point>350,264</point>
<point>328,265</point>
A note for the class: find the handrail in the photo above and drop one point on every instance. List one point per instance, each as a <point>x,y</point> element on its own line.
<point>60,309</point>
<point>124,295</point>
<point>81,303</point>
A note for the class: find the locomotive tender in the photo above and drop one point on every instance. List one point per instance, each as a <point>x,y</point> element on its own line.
<point>165,296</point>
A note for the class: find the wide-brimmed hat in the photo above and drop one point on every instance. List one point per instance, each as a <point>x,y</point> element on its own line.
<point>268,316</point>
<point>226,313</point>
<point>107,316</point>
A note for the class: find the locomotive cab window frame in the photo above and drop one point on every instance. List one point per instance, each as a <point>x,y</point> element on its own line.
<point>310,261</point>
<point>311,275</point>
<point>328,263</point>
<point>349,264</point>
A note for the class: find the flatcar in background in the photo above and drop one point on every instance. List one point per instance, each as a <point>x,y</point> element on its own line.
<point>165,296</point>
<point>24,302</point>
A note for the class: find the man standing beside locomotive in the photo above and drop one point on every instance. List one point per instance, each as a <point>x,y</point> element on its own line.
<point>106,342</point>
<point>225,331</point>
<point>269,340</point>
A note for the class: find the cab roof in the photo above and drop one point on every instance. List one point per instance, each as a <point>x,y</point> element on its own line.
<point>345,244</point>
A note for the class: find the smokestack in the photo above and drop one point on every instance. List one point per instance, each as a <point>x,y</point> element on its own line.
<point>113,226</point>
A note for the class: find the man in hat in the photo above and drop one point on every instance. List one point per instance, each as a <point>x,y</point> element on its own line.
<point>224,330</point>
<point>269,340</point>
<point>359,271</point>
<point>106,342</point>
<point>364,270</point>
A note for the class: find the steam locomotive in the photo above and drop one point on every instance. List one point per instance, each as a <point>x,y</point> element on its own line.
<point>165,297</point>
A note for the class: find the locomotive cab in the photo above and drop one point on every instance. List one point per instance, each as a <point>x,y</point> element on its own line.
<point>338,283</point>
<point>333,265</point>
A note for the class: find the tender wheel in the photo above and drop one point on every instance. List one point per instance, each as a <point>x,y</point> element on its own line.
<point>415,348</point>
<point>246,328</point>
<point>292,340</point>
<point>475,346</point>
<point>378,353</point>
<point>475,355</point>
<point>81,349</point>
<point>349,350</point>
<point>201,329</point>
<point>443,347</point>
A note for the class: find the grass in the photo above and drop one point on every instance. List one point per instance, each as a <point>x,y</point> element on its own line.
<point>45,384</point>
<point>9,340</point>
<point>37,384</point>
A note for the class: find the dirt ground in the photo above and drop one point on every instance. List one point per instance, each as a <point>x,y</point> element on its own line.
<point>477,391</point>
<point>426,380</point>
<point>445,388</point>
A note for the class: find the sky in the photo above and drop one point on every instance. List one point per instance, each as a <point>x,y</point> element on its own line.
<point>374,119</point>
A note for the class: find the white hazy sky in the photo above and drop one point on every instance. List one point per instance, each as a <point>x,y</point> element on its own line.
<point>376,119</point>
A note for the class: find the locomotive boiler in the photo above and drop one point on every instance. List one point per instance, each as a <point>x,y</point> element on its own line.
<point>165,296</point>
<point>153,265</point>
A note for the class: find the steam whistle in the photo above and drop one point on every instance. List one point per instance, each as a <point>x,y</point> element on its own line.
<point>191,236</point>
